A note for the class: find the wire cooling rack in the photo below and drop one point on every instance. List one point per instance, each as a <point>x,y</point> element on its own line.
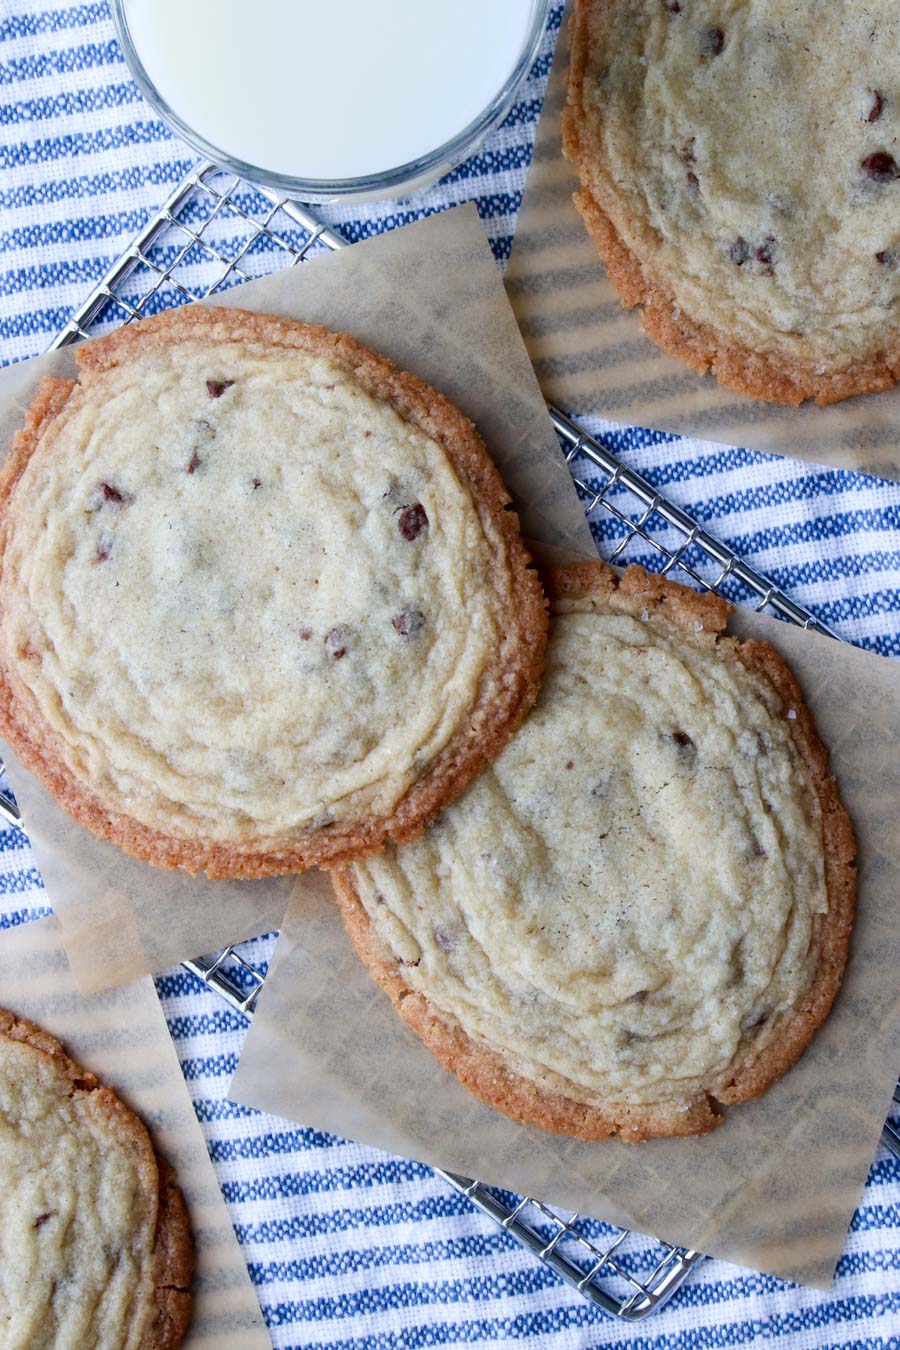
<point>216,231</point>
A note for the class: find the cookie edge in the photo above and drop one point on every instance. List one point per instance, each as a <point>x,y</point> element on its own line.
<point>702,347</point>
<point>173,1242</point>
<point>485,1073</point>
<point>521,607</point>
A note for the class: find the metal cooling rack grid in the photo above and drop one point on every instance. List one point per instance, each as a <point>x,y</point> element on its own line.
<point>638,1273</point>
<point>214,221</point>
<point>211,219</point>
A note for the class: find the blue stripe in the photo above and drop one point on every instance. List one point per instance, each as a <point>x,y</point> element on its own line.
<point>15,883</point>
<point>87,186</point>
<point>61,62</point>
<point>15,917</point>
<point>86,160</point>
<point>300,1227</point>
<point>79,102</point>
<point>51,21</point>
<point>50,150</point>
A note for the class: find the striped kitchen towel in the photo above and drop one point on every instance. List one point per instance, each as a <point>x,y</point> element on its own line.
<point>349,1247</point>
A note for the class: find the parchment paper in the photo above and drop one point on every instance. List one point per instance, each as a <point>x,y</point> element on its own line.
<point>428,296</point>
<point>122,1037</point>
<point>592,357</point>
<point>775,1186</point>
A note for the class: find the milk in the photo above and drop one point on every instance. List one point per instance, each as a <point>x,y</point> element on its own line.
<point>328,89</point>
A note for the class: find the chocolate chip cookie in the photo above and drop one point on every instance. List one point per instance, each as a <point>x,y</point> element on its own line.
<point>94,1233</point>
<point>264,600</point>
<point>641,911</point>
<point>740,174</point>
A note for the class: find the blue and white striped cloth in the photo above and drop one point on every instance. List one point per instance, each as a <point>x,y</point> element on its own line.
<point>349,1247</point>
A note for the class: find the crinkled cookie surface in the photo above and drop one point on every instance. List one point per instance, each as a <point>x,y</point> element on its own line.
<point>247,602</point>
<point>740,168</point>
<point>632,899</point>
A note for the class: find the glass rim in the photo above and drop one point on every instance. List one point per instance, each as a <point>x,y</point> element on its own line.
<point>439,160</point>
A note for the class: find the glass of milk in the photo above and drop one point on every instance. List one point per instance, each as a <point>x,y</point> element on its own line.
<point>331,101</point>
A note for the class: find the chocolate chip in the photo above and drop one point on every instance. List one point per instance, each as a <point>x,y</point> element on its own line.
<point>687,151</point>
<point>336,641</point>
<point>412,520</point>
<point>104,549</point>
<point>255,483</point>
<point>739,251</point>
<point>216,388</point>
<point>713,42</point>
<point>764,253</point>
<point>304,634</point>
<point>408,622</point>
<point>42,1218</point>
<point>876,105</point>
<point>687,750</point>
<point>570,764</point>
<point>193,463</point>
<point>889,258</point>
<point>108,494</point>
<point>881,167</point>
<point>760,1021</point>
<point>693,181</point>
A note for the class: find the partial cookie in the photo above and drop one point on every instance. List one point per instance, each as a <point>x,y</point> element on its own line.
<point>95,1243</point>
<point>642,910</point>
<point>740,175</point>
<point>263,600</point>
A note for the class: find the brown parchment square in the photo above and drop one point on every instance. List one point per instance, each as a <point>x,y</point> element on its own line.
<point>775,1187</point>
<point>429,296</point>
<point>122,1037</point>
